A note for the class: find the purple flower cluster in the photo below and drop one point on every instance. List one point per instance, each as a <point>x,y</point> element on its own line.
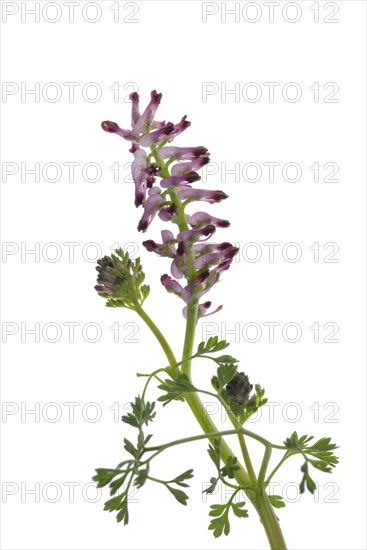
<point>193,257</point>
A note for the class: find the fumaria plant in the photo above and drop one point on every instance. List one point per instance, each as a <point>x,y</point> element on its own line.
<point>165,179</point>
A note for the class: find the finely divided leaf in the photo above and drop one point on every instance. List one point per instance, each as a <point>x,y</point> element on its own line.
<point>175,389</point>
<point>211,346</point>
<point>179,495</point>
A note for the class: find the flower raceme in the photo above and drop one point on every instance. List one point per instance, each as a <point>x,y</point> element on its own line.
<point>193,257</point>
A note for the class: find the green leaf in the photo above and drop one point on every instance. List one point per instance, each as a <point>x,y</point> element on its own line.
<point>178,494</point>
<point>179,480</point>
<point>115,485</point>
<point>142,413</point>
<point>175,389</point>
<point>230,468</point>
<point>129,447</point>
<point>214,453</point>
<point>225,373</point>
<point>238,511</point>
<point>220,524</point>
<point>276,501</point>
<point>213,484</point>
<point>211,345</point>
<point>319,455</point>
<point>310,484</point>
<point>141,476</point>
<point>105,475</point>
<point>123,513</point>
<point>116,502</point>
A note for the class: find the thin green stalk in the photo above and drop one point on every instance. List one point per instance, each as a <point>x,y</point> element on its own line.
<point>264,465</point>
<point>287,455</point>
<point>157,333</point>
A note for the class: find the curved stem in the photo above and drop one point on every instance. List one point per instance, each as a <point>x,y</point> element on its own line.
<point>161,339</point>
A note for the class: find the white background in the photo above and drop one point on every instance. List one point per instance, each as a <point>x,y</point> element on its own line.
<point>171,49</point>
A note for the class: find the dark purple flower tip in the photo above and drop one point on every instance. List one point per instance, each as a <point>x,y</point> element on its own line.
<point>191,177</point>
<point>217,255</point>
<point>187,192</point>
<point>150,245</point>
<point>144,121</point>
<point>157,135</point>
<point>166,249</point>
<point>203,218</point>
<point>171,285</point>
<point>193,235</point>
<point>186,167</point>
<point>182,153</point>
<point>152,205</point>
<point>152,169</point>
<point>179,128</point>
<point>113,128</point>
<point>175,181</point>
<point>109,126</point>
<point>135,113</point>
<point>168,213</point>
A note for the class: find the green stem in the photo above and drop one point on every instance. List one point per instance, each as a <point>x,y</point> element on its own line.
<point>277,468</point>
<point>260,499</point>
<point>264,465</point>
<point>161,339</point>
<point>210,435</point>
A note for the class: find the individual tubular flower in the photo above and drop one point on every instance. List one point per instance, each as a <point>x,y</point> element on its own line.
<point>202,310</point>
<point>168,213</point>
<point>186,192</point>
<point>139,174</point>
<point>179,128</point>
<point>175,181</point>
<point>157,135</point>
<point>182,153</point>
<point>166,249</point>
<point>113,128</point>
<point>171,285</point>
<point>199,219</point>
<point>154,202</point>
<point>199,286</point>
<point>186,167</point>
<point>179,264</point>
<point>193,235</point>
<point>219,255</point>
<point>143,123</point>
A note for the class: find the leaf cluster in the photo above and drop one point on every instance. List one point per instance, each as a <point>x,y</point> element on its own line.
<point>226,471</point>
<point>132,471</point>
<point>319,455</point>
<point>176,389</point>
<point>220,512</point>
